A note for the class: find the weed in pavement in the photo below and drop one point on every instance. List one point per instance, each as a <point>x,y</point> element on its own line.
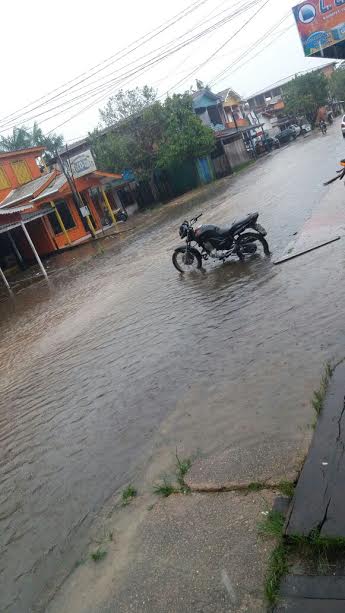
<point>272,525</point>
<point>182,468</point>
<point>128,494</point>
<point>255,487</point>
<point>277,568</point>
<point>98,555</point>
<point>165,488</point>
<point>287,488</point>
<point>319,395</point>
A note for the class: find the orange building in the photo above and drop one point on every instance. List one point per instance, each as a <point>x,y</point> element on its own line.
<point>42,212</point>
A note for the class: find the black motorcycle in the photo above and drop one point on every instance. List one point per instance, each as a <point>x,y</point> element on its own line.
<point>323,127</point>
<point>218,243</point>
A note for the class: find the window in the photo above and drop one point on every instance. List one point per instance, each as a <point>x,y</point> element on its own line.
<point>22,172</point>
<point>65,215</point>
<point>4,182</point>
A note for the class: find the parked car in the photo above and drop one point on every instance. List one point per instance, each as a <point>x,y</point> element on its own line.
<point>343,126</point>
<point>305,128</point>
<point>287,135</point>
<point>297,128</point>
<point>271,142</point>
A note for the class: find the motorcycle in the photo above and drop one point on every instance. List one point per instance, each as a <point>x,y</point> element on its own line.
<point>218,243</point>
<point>323,127</point>
<point>340,174</point>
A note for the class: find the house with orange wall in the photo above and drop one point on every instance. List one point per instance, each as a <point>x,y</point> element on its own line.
<point>46,204</point>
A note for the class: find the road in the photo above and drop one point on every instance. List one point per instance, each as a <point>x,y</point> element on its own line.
<point>104,374</point>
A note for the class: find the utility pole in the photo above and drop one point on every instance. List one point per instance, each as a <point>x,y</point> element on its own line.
<point>75,193</point>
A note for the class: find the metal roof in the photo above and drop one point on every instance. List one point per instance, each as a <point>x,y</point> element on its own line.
<point>26,191</point>
<point>288,79</point>
<point>52,188</point>
<point>15,209</point>
<point>25,217</point>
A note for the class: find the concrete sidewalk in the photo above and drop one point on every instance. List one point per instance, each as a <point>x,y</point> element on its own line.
<point>197,553</point>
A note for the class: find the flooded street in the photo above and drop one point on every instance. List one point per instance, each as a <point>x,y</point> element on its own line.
<point>122,360</point>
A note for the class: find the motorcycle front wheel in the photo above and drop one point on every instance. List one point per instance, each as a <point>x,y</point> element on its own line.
<point>186,259</point>
<point>248,238</point>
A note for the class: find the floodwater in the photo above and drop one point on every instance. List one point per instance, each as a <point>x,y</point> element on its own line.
<point>121,360</point>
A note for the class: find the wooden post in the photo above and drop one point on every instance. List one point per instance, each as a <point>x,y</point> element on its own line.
<point>5,280</point>
<point>61,223</point>
<point>28,237</point>
<point>15,248</point>
<point>90,224</point>
<point>107,204</point>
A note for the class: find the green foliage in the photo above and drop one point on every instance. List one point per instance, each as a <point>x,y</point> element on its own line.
<point>98,555</point>
<point>126,104</point>
<point>319,395</point>
<point>272,525</point>
<point>337,83</point>
<point>128,494</point>
<point>287,488</point>
<point>152,137</point>
<point>165,488</point>
<point>184,136</point>
<point>255,487</point>
<point>22,138</point>
<point>182,467</point>
<point>305,94</point>
<point>277,568</point>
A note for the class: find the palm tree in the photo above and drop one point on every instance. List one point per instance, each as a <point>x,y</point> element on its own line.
<point>19,139</point>
<point>22,138</point>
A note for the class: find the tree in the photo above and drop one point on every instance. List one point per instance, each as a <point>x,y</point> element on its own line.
<point>161,135</point>
<point>337,83</point>
<point>22,138</point>
<point>185,137</point>
<point>19,139</point>
<point>126,104</point>
<point>305,94</point>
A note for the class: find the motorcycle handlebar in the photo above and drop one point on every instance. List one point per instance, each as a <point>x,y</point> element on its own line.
<point>340,176</point>
<point>195,218</point>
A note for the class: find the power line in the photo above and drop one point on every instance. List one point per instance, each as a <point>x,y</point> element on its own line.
<point>221,46</point>
<point>107,86</point>
<point>253,46</point>
<point>128,49</point>
<point>8,123</point>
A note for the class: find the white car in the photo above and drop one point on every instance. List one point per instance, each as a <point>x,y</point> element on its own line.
<point>296,128</point>
<point>305,127</point>
<point>343,125</point>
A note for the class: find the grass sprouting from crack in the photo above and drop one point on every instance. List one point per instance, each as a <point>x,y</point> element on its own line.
<point>128,494</point>
<point>165,488</point>
<point>256,486</point>
<point>277,568</point>
<point>98,555</point>
<point>182,468</point>
<point>272,525</point>
<point>319,395</point>
<point>287,488</point>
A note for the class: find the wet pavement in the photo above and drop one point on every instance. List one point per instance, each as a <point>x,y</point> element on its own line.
<point>121,360</point>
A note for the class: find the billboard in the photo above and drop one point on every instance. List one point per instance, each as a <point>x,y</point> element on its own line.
<point>80,164</point>
<point>321,24</point>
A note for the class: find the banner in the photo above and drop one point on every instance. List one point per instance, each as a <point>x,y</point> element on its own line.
<point>321,24</point>
<point>80,164</point>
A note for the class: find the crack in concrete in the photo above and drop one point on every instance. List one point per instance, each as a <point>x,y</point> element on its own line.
<point>340,420</point>
<point>324,519</point>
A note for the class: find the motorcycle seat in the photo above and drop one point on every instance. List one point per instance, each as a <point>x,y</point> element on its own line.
<point>238,225</point>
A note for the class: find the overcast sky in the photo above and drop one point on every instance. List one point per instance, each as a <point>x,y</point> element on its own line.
<point>44,47</point>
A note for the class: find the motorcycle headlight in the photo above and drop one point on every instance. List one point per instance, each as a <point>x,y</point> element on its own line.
<point>183,230</point>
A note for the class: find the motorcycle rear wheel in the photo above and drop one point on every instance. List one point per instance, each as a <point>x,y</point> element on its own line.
<point>251,237</point>
<point>186,260</point>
